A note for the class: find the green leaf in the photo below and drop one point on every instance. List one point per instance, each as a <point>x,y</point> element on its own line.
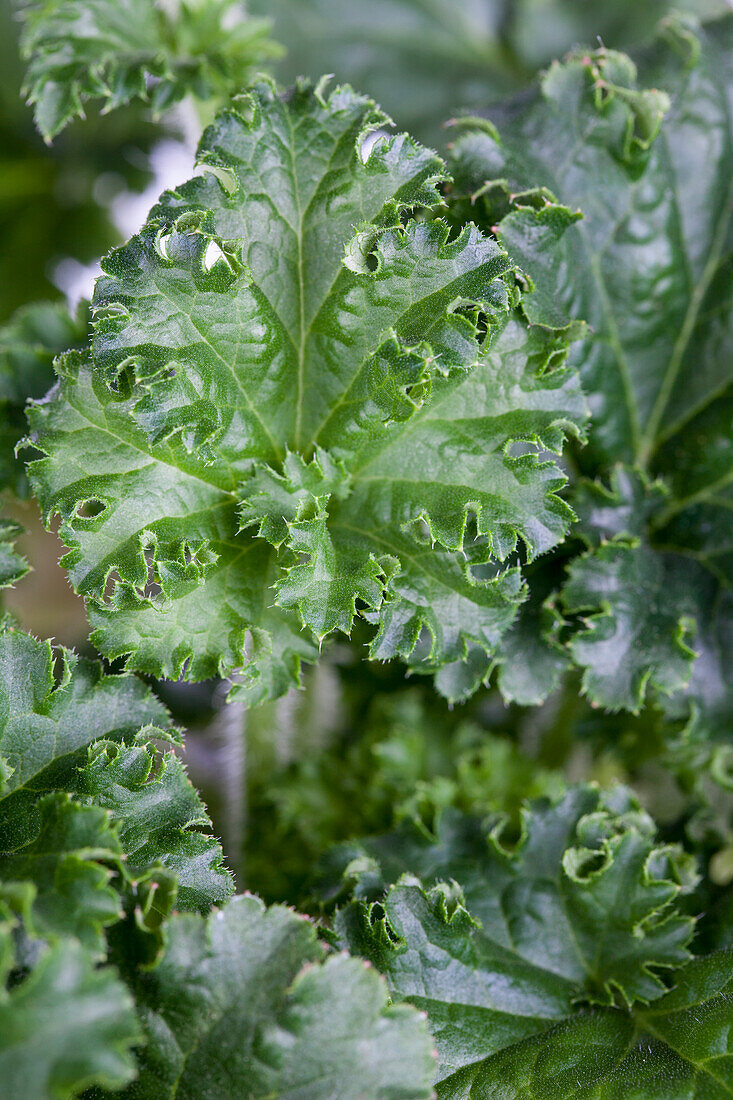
<point>93,824</point>
<point>29,341</point>
<point>587,895</point>
<point>244,1005</point>
<point>48,716</point>
<point>64,1027</point>
<point>79,50</point>
<point>650,168</point>
<point>508,946</point>
<point>640,634</point>
<point>674,1049</point>
<point>13,567</point>
<point>159,815</point>
<point>67,862</point>
<point>287,422</point>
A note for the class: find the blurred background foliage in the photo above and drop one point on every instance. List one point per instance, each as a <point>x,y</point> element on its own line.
<point>425,60</point>
<point>360,747</point>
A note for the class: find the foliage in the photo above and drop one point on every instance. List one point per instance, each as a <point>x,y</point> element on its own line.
<point>650,591</point>
<point>506,947</point>
<point>29,342</point>
<point>426,61</point>
<point>356,452</point>
<point>336,395</point>
<point>89,49</point>
<point>65,1025</point>
<point>244,1005</point>
<point>393,755</point>
<point>54,203</point>
<point>93,822</point>
<point>98,841</point>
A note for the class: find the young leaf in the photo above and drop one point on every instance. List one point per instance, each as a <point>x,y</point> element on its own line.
<point>312,423</point>
<point>243,1005</point>
<point>651,171</point>
<point>79,50</point>
<point>64,1027</point>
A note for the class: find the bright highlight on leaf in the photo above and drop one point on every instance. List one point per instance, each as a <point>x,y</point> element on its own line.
<point>289,422</point>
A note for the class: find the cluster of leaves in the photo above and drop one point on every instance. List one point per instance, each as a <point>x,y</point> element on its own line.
<point>105,857</point>
<point>541,962</point>
<point>79,50</point>
<point>334,387</point>
<point>390,756</point>
<point>645,590</point>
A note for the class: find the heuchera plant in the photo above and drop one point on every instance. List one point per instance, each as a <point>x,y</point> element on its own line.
<point>347,408</point>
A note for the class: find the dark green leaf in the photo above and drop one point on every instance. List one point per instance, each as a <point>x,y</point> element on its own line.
<point>649,164</point>
<point>243,1005</point>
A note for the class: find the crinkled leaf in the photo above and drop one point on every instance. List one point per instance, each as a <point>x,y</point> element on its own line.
<point>640,632</point>
<point>286,421</point>
<point>587,895</point>
<point>243,1005</point>
<point>675,1049</point>
<point>159,818</point>
<point>649,268</point>
<point>50,712</point>
<point>79,50</point>
<point>507,948</point>
<point>93,825</point>
<point>67,861</point>
<point>64,1027</point>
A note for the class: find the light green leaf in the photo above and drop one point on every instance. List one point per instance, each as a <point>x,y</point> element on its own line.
<point>287,421</point>
<point>79,50</point>
<point>244,1005</point>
